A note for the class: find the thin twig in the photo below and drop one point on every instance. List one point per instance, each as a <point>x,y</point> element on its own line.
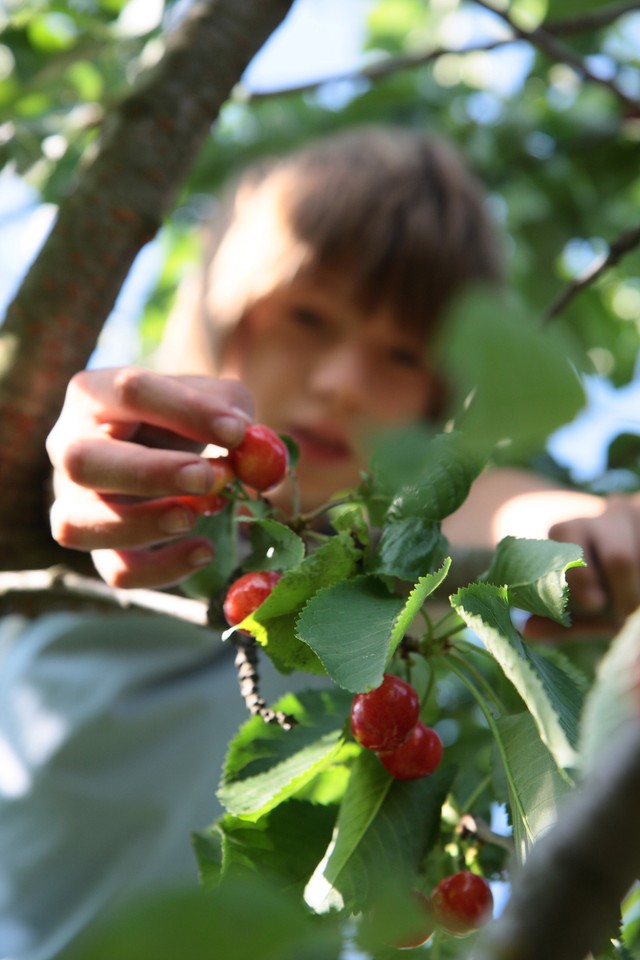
<point>247,668</point>
<point>472,826</point>
<point>592,20</point>
<point>624,244</point>
<point>383,67</point>
<point>553,48</point>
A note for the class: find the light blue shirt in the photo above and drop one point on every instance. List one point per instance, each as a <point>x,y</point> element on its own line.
<point>113,730</point>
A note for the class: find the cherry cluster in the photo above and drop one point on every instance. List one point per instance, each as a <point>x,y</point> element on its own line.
<point>387,721</point>
<point>459,904</point>
<point>260,461</point>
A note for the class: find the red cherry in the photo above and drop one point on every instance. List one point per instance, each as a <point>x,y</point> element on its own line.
<point>422,927</point>
<point>418,756</point>
<point>207,505</point>
<point>382,718</point>
<point>462,902</point>
<point>247,593</point>
<point>261,459</point>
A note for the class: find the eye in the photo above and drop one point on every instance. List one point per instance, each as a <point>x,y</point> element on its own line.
<point>308,318</point>
<point>404,357</point>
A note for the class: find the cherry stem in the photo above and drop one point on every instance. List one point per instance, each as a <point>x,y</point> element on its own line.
<point>491,723</point>
<point>481,681</point>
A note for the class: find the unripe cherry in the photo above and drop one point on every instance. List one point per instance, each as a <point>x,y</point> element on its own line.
<point>383,718</point>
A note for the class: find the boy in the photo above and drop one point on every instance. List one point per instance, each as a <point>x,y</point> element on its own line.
<point>324,280</point>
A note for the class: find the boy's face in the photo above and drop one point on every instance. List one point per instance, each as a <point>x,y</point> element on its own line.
<point>327,374</point>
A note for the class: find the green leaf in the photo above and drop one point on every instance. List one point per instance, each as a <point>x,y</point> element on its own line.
<point>536,785</point>
<point>355,627</point>
<point>273,623</point>
<point>534,572</point>
<point>286,844</point>
<point>612,701</point>
<point>220,530</point>
<point>631,919</point>
<point>385,827</point>
<point>207,847</point>
<point>242,919</point>
<point>550,693</point>
<point>265,765</point>
<point>429,476</point>
<point>349,627</point>
<point>274,546</point>
<point>408,548</point>
<point>521,377</point>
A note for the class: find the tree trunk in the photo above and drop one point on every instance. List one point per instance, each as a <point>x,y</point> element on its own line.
<point>147,147</point>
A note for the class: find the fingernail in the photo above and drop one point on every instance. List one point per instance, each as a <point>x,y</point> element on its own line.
<point>201,556</point>
<point>176,520</point>
<point>229,430</point>
<point>194,478</point>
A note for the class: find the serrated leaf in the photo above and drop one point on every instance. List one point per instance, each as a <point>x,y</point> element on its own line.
<point>274,546</point>
<point>612,700</point>
<point>549,692</point>
<point>534,572</point>
<point>266,765</point>
<point>385,827</point>
<point>536,785</point>
<point>349,627</point>
<point>355,627</point>
<point>408,548</point>
<point>423,589</point>
<point>273,623</point>
<point>285,845</point>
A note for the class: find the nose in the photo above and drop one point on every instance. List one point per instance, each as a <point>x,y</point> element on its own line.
<point>340,376</point>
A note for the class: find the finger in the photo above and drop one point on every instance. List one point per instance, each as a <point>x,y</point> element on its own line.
<point>618,558</point>
<point>82,522</point>
<point>161,567</point>
<point>111,466</point>
<point>201,408</point>
<point>543,630</point>
<point>586,590</point>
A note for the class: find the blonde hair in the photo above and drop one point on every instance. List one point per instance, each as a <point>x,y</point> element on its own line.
<point>394,210</point>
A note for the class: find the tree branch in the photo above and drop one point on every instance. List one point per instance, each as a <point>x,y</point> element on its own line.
<point>65,584</point>
<point>385,66</point>
<point>624,244</point>
<point>51,327</point>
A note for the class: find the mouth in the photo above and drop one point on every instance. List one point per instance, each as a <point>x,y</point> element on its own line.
<point>321,445</point>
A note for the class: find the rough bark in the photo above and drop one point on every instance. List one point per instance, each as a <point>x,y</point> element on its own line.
<point>146,149</point>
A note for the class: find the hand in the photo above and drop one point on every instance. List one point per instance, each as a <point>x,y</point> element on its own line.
<point>607,590</point>
<point>124,449</point>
